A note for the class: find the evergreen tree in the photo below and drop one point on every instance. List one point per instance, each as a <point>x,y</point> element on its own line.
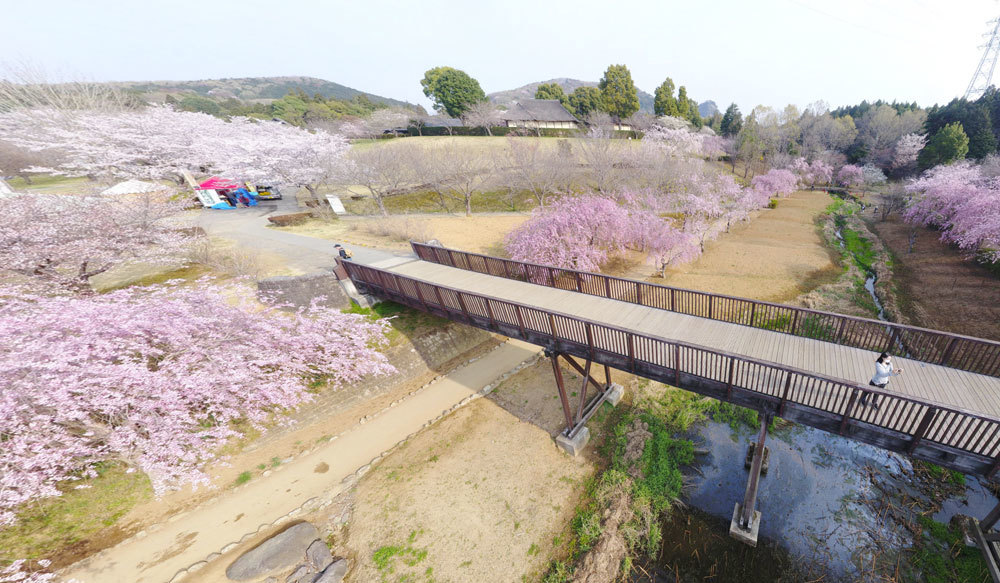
<point>552,91</point>
<point>452,91</point>
<point>618,92</point>
<point>732,121</point>
<point>948,145</point>
<point>683,103</point>
<point>585,100</point>
<point>664,102</point>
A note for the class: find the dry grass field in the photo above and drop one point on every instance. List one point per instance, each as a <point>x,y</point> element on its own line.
<point>775,257</point>
<point>936,287</point>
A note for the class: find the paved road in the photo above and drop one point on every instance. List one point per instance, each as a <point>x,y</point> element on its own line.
<point>249,227</point>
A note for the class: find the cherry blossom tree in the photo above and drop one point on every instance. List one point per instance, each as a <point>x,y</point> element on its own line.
<point>61,242</point>
<point>907,149</point>
<point>155,378</point>
<point>573,232</point>
<point>872,176</point>
<point>850,175</point>
<point>776,183</point>
<point>271,151</point>
<point>812,174</point>
<point>962,203</point>
<point>158,142</point>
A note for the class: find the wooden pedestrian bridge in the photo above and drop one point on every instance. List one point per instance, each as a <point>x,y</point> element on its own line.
<point>804,365</point>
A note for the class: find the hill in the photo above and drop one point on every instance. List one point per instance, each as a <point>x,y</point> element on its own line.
<point>259,88</point>
<point>708,108</point>
<point>568,85</point>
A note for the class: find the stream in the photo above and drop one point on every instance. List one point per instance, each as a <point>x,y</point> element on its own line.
<point>822,502</point>
<point>869,282</point>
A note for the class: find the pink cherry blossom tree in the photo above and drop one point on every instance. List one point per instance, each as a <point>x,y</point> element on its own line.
<point>158,142</point>
<point>963,204</point>
<point>573,232</point>
<point>155,378</point>
<point>778,182</point>
<point>850,175</point>
<point>62,242</point>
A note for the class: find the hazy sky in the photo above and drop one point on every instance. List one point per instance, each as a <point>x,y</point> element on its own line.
<point>752,52</point>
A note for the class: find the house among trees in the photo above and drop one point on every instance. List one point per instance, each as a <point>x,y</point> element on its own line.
<point>539,113</point>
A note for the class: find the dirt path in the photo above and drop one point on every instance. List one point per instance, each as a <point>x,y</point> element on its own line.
<point>776,257</point>
<point>221,524</point>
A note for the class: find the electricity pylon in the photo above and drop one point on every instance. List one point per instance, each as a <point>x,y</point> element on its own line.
<point>984,74</point>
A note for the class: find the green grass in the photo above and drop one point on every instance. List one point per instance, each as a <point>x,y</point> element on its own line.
<point>389,559</point>
<point>942,557</point>
<point>244,477</point>
<point>48,526</point>
<point>403,319</point>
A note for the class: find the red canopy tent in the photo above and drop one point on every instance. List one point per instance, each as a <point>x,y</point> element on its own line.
<point>217,183</point>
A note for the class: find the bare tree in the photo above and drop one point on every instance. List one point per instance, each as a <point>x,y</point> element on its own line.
<point>482,115</point>
<point>27,85</point>
<point>383,170</point>
<point>527,166</point>
<point>893,200</point>
<point>458,172</point>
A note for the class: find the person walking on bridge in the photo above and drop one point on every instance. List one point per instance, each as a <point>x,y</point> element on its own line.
<point>883,371</point>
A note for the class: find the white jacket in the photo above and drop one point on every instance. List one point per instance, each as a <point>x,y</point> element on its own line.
<point>883,370</point>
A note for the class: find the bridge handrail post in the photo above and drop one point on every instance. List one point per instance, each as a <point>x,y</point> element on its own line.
<point>729,383</point>
<point>672,309</point>
<point>638,293</point>
<point>631,351</point>
<point>849,409</point>
<point>677,365</point>
<point>607,286</point>
<point>925,423</point>
<point>552,277</point>
<point>784,394</point>
<point>590,338</point>
<point>437,292</point>
<point>711,307</point>
<point>465,311</point>
<point>577,274</point>
<point>947,351</point>
<point>795,322</point>
<point>520,320</point>
<point>489,311</point>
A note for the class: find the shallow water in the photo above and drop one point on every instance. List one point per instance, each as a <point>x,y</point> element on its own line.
<point>815,502</point>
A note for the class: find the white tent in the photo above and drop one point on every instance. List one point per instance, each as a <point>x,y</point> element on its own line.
<point>133,187</point>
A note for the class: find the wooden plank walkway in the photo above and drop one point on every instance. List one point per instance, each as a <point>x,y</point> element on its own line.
<point>927,382</point>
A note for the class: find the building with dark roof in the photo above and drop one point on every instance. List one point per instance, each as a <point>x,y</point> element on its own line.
<point>539,113</point>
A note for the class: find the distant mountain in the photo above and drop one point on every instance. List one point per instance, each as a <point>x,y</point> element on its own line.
<point>568,85</point>
<point>708,108</point>
<point>259,88</point>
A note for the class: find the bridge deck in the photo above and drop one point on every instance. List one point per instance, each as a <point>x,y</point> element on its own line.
<point>965,390</point>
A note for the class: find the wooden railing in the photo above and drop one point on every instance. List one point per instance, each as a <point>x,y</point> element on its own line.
<point>951,350</point>
<point>905,423</point>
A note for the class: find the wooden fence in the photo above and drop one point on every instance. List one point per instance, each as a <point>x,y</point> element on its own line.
<point>963,440</point>
<point>951,350</point>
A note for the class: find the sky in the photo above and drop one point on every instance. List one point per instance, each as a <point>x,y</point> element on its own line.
<point>770,52</point>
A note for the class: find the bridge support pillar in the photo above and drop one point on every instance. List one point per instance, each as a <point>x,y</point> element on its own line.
<point>576,435</point>
<point>745,524</point>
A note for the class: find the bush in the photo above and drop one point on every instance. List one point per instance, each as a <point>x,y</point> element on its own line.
<point>290,220</point>
<point>772,204</point>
